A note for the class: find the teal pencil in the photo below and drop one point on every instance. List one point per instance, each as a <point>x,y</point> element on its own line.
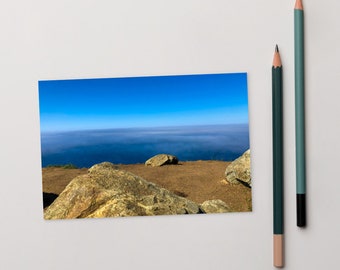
<point>300,113</point>
<point>277,114</point>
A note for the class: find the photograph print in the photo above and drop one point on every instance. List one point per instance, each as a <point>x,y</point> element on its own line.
<point>145,146</point>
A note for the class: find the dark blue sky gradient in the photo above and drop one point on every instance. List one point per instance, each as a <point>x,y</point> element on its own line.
<point>143,102</point>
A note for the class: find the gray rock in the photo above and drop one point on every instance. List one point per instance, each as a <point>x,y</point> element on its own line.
<point>161,159</point>
<point>107,192</point>
<point>238,172</point>
<point>214,206</point>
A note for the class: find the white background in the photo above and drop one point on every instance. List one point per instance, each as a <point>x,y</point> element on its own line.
<point>95,38</point>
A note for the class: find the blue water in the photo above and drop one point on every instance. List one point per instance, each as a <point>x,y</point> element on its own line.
<point>136,145</point>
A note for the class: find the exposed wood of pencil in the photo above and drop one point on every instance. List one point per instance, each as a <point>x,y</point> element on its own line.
<point>277,58</point>
<point>278,250</point>
<point>298,4</point>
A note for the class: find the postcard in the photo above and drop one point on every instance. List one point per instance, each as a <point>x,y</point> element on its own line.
<point>145,146</point>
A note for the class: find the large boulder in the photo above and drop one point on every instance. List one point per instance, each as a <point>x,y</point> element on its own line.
<point>107,192</point>
<point>238,172</point>
<point>161,159</point>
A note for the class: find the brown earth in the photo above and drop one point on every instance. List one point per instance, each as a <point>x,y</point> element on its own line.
<point>195,180</point>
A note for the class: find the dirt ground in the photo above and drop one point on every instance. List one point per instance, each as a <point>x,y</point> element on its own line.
<point>197,181</point>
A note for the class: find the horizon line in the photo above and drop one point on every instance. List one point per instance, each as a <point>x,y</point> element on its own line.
<point>140,127</point>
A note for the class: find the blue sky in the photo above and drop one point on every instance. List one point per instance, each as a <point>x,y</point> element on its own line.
<point>67,105</point>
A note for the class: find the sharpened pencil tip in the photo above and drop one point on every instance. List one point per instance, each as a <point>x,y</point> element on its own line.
<point>277,58</point>
<point>298,5</point>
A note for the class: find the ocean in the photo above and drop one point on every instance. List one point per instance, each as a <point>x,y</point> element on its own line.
<point>135,145</point>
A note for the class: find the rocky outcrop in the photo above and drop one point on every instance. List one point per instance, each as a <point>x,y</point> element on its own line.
<point>214,206</point>
<point>161,159</point>
<point>238,172</point>
<point>107,192</point>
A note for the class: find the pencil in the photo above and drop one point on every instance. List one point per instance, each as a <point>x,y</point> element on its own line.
<point>300,113</point>
<point>277,158</point>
